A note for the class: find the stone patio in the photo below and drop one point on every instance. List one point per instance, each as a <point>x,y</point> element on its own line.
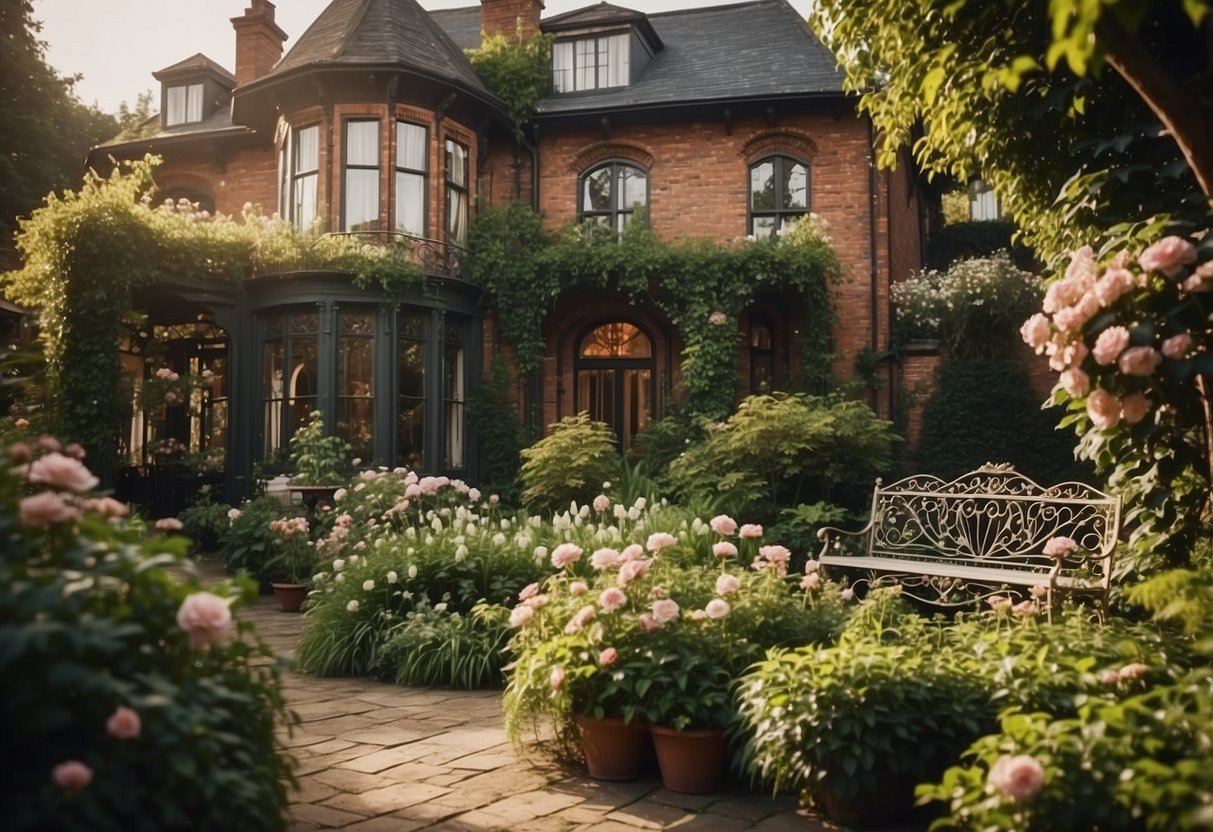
<point>376,757</point>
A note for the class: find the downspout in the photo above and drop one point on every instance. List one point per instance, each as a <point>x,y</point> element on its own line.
<point>534,388</point>
<point>872,214</point>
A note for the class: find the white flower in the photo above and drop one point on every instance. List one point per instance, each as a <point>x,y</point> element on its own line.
<point>338,565</point>
<point>367,586</point>
<point>392,577</point>
<point>440,606</point>
<point>352,606</point>
<point>412,572</point>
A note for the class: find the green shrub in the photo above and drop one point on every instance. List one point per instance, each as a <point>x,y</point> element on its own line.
<point>205,521</point>
<point>493,418</point>
<point>569,464</point>
<point>975,238</point>
<point>248,544</point>
<point>781,450</point>
<point>319,459</point>
<point>114,715</point>
<point>983,411</point>
<point>436,648</point>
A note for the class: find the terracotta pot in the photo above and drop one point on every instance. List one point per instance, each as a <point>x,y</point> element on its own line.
<point>691,761</point>
<point>882,799</point>
<point>290,596</point>
<point>614,749</point>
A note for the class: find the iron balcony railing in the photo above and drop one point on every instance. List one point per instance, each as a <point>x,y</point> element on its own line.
<point>435,257</point>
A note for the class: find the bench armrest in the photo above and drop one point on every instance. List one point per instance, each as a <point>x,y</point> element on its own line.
<point>830,536</point>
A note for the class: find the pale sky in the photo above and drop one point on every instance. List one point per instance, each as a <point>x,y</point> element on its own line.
<point>117,44</point>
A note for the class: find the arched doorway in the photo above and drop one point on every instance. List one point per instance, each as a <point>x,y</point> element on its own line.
<point>614,371</point>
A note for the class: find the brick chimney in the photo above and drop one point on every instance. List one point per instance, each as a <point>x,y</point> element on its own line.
<point>258,41</point>
<point>507,16</point>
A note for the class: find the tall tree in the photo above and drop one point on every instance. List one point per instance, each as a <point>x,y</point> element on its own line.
<point>1093,121</point>
<point>45,130</point>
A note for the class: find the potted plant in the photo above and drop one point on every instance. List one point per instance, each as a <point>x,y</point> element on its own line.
<point>205,521</point>
<point>320,461</point>
<point>294,560</point>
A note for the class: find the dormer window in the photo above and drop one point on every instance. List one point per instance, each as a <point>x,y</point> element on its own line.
<point>590,63</point>
<point>184,104</point>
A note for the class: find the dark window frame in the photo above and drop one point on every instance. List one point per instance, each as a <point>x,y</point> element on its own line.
<point>423,172</point>
<point>187,86</point>
<point>602,70</point>
<point>346,167</point>
<point>613,214</point>
<point>777,212</point>
<point>453,234</point>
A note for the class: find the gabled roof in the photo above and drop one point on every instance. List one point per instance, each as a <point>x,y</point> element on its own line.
<point>602,14</point>
<point>760,49</point>
<point>354,33</point>
<point>195,64</point>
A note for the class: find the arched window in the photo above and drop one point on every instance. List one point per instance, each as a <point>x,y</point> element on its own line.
<point>614,377</point>
<point>779,194</point>
<point>611,195</point>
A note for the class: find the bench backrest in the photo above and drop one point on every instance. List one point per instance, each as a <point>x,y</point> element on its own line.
<point>994,517</point>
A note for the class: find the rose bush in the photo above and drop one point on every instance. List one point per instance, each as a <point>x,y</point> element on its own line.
<point>133,699</point>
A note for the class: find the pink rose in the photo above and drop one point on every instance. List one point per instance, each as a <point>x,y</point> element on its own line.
<point>1200,280</point>
<point>775,554</point>
<point>1176,347</point>
<point>665,610</point>
<point>578,622</point>
<point>59,471</point>
<point>631,570</point>
<point>605,558</point>
<point>109,507</point>
<point>528,591</point>
<point>537,602</point>
<point>1109,677</point>
<point>1139,361</point>
<point>1134,407</point>
<point>660,540</point>
<point>72,775</point>
<point>521,614</point>
<point>1115,283</point>
<point>717,609</point>
<point>1038,591</point>
<point>1018,778</point>
<point>1071,319</point>
<point>750,531</point>
<point>578,588</point>
<point>727,584</point>
<point>1104,409</point>
<point>612,598</point>
<point>1082,265</point>
<point>724,549</point>
<point>1133,671</point>
<point>46,508</point>
<point>21,424</point>
<point>1024,608</point>
<point>718,318</point>
<point>1168,255</point>
<point>608,657</point>
<point>601,503</point>
<point>632,551</point>
<point>1060,546</point>
<point>566,554</point>
<point>1075,382</point>
<point>124,724</point>
<point>1110,344</point>
<point>207,619</point>
<point>172,524</point>
<point>810,581</point>
<point>19,452</point>
<point>1036,332</point>
<point>723,524</point>
<point>648,623</point>
<point>557,678</point>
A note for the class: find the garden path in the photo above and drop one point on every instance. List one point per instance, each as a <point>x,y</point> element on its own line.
<point>375,757</point>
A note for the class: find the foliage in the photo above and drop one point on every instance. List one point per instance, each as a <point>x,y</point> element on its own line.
<point>983,410</point>
<point>932,687</point>
<point>973,307</point>
<point>569,464</point>
<point>1140,763</point>
<point>1133,340</point>
<point>435,649</point>
<point>318,459</point>
<point>703,287</point>
<point>294,552</point>
<point>46,129</point>
<point>139,121</point>
<point>517,70</point>
<point>92,622</point>
<point>657,632</point>
<point>400,544</point>
<point>493,418</point>
<point>976,238</point>
<point>781,450</point>
<point>205,520</point>
<point>88,250</point>
<point>247,544</point>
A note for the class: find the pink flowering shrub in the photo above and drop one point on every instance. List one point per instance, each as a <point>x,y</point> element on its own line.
<point>1129,333</point>
<point>125,681</point>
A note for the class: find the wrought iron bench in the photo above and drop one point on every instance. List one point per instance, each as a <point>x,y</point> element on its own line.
<point>981,535</point>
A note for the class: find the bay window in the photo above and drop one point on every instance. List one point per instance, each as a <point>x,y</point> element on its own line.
<point>456,193</point>
<point>360,210</point>
<point>411,147</point>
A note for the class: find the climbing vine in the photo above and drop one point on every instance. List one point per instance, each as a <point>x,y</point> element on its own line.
<point>516,70</point>
<point>86,252</point>
<point>703,287</point>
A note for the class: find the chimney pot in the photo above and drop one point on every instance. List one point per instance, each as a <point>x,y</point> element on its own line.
<point>258,41</point>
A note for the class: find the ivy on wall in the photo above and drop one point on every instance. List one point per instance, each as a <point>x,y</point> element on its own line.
<point>517,70</point>
<point>703,287</point>
<point>87,251</point>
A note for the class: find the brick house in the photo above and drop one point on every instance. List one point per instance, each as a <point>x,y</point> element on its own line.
<point>717,122</point>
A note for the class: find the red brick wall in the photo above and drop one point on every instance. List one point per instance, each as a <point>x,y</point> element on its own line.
<point>258,41</point>
<point>505,16</point>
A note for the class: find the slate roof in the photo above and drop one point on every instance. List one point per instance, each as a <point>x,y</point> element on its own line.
<point>216,125</point>
<point>761,49</point>
<point>353,33</point>
<point>462,25</point>
<point>193,63</point>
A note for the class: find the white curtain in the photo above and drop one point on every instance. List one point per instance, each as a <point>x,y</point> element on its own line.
<point>617,61</point>
<point>176,106</point>
<point>562,67</point>
<point>410,146</point>
<point>361,176</point>
<point>411,150</point>
<point>193,108</point>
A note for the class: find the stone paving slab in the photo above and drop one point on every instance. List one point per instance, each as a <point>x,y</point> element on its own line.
<point>374,757</point>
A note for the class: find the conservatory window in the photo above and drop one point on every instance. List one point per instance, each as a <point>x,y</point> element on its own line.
<point>410,391</point>
<point>453,386</point>
<point>289,380</point>
<point>355,398</point>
